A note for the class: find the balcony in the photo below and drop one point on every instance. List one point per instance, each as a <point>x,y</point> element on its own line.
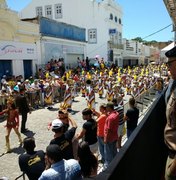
<point>114,45</point>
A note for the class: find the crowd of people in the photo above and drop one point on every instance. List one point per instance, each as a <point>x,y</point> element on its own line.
<point>72,154</point>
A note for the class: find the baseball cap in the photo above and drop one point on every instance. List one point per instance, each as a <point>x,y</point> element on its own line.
<point>171,53</point>
<point>56,124</point>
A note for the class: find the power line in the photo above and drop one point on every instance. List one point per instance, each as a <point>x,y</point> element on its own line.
<point>134,42</point>
<point>157,31</point>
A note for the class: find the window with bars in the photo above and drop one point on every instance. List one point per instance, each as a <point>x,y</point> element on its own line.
<point>58,11</point>
<point>92,36</point>
<point>48,11</point>
<point>39,11</point>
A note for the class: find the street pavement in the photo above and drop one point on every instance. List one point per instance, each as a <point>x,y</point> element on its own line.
<point>37,124</point>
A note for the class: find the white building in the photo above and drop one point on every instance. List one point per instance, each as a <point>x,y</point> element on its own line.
<point>136,53</point>
<point>60,40</point>
<point>18,44</point>
<point>102,21</point>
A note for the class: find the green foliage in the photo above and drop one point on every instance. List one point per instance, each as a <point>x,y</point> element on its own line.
<point>139,39</point>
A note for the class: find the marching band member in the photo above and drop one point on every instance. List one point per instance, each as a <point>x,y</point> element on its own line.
<point>90,95</point>
<point>109,94</point>
<point>128,89</point>
<point>83,86</point>
<point>12,122</point>
<point>68,97</point>
<point>100,88</point>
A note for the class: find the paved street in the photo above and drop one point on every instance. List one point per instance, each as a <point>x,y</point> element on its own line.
<point>37,124</point>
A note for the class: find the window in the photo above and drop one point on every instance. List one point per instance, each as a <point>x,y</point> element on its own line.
<point>111,17</point>
<point>39,11</point>
<point>120,22</point>
<point>116,19</point>
<point>58,10</point>
<point>92,36</point>
<point>48,11</point>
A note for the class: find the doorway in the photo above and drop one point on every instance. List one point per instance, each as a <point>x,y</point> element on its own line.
<point>27,65</point>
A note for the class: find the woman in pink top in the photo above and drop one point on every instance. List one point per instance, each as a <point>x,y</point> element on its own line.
<point>101,118</point>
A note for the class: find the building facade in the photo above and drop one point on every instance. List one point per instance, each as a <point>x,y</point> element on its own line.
<point>18,44</point>
<point>136,53</point>
<point>61,41</point>
<point>102,21</point>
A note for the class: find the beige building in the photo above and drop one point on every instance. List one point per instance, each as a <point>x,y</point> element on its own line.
<point>18,44</point>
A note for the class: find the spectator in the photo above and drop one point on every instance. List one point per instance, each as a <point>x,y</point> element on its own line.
<point>87,160</point>
<point>32,163</point>
<point>59,168</point>
<point>64,139</point>
<point>131,116</point>
<point>170,129</point>
<point>36,95</point>
<point>101,118</point>
<point>89,130</point>
<point>3,80</point>
<point>110,134</point>
<point>121,127</point>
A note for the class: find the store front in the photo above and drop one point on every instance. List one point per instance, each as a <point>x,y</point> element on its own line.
<point>17,58</point>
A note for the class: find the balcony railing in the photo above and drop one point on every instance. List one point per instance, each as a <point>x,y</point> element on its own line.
<point>144,155</point>
<point>115,46</point>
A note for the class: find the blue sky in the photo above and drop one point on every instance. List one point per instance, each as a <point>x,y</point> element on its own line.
<point>140,18</point>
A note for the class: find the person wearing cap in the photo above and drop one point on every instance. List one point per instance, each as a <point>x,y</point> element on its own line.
<point>32,163</point>
<point>170,128</point>
<point>110,134</point>
<point>59,168</point>
<point>64,139</point>
<point>89,130</point>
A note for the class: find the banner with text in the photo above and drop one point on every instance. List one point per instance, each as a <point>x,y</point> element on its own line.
<point>17,50</point>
